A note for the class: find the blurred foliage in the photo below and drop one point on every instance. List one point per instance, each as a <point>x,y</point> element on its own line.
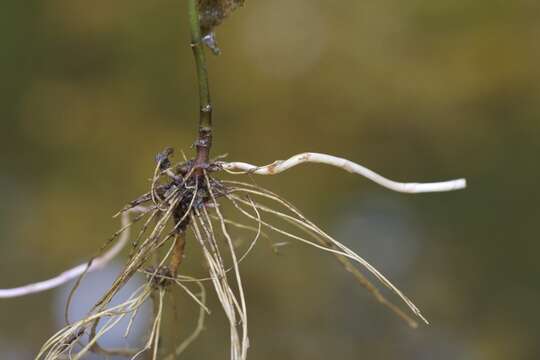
<point>418,90</point>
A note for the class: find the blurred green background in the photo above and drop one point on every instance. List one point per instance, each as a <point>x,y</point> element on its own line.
<point>417,90</point>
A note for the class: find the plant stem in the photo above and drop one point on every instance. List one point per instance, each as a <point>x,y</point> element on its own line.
<point>204,140</point>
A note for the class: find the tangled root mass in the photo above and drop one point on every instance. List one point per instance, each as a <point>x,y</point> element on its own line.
<point>185,199</point>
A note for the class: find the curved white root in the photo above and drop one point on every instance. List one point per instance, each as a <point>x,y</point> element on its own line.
<point>309,157</point>
<point>78,270</point>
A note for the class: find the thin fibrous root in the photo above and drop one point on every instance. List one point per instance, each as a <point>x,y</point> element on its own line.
<point>155,287</point>
<point>243,310</point>
<point>325,242</point>
<point>351,268</point>
<point>203,310</point>
<point>63,341</point>
<point>233,302</point>
<point>142,253</point>
<point>347,165</point>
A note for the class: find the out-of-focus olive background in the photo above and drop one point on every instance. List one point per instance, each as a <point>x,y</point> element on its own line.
<point>417,90</point>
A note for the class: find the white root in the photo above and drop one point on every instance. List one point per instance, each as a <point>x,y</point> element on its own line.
<point>283,165</point>
<point>73,273</point>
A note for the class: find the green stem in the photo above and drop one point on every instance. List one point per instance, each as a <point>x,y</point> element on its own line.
<point>204,140</point>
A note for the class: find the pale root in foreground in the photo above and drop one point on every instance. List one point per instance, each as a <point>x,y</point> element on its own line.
<point>75,272</point>
<point>282,165</point>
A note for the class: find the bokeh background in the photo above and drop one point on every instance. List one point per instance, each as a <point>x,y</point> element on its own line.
<point>417,90</point>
